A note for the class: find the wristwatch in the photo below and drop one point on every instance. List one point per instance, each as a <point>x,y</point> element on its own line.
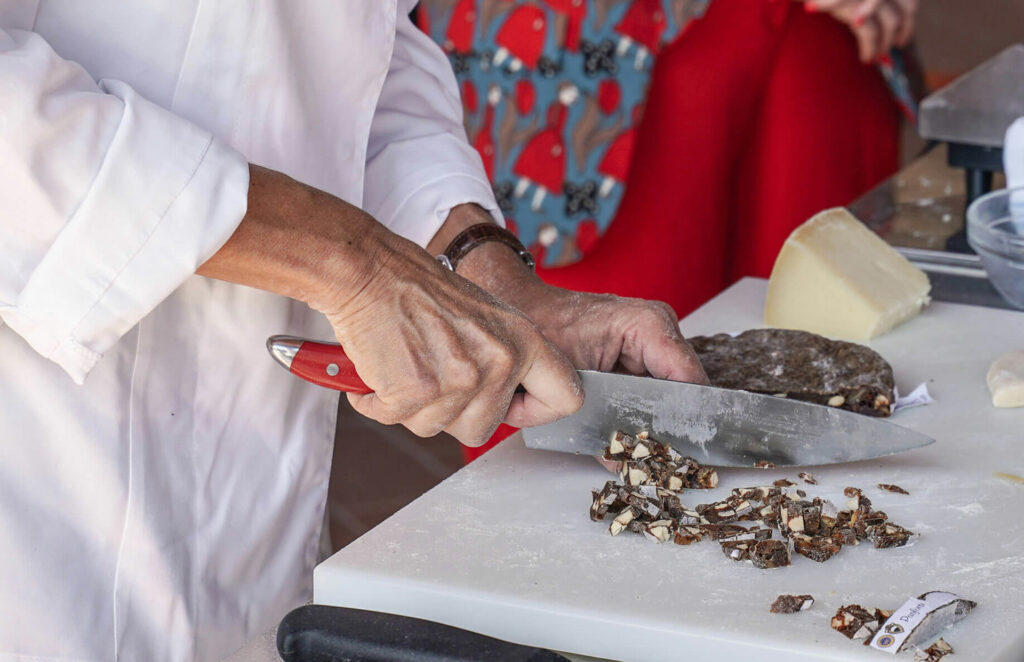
<point>481,233</point>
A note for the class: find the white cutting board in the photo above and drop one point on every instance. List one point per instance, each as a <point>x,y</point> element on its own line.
<point>505,546</point>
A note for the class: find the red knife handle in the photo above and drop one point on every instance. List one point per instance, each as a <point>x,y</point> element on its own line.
<point>323,364</point>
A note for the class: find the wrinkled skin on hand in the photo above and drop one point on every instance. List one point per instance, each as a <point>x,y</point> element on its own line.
<point>610,333</point>
<point>439,352</point>
<point>606,332</point>
<point>878,25</point>
<point>595,331</point>
<point>442,354</point>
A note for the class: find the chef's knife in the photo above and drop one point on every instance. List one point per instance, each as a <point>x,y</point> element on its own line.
<point>715,426</point>
<point>317,633</point>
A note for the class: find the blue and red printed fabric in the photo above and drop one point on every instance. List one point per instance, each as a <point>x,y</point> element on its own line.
<point>553,91</point>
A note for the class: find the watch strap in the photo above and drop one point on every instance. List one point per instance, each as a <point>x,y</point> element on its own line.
<point>478,234</point>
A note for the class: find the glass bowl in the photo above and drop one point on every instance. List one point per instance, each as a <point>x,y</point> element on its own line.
<point>995,230</point>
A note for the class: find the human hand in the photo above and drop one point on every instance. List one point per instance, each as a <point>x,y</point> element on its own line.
<point>442,354</point>
<point>605,332</point>
<point>438,352</point>
<point>878,25</point>
<point>595,331</point>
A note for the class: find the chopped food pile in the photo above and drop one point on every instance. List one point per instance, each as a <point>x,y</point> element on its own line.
<point>791,604</point>
<point>647,502</point>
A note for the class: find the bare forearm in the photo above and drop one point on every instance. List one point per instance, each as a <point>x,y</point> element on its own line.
<point>299,242</point>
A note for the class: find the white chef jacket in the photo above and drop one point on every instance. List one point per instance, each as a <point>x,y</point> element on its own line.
<point>167,508</point>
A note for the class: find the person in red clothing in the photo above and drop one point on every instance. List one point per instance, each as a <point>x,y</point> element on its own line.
<point>737,147</point>
<point>758,114</point>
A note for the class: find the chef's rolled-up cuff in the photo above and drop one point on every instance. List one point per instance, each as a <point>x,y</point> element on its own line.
<point>412,185</point>
<point>166,197</point>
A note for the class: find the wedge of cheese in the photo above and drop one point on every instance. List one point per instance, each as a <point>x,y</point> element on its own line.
<point>1006,380</point>
<point>837,278</point>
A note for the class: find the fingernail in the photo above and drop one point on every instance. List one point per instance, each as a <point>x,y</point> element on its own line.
<point>859,21</point>
<point>810,8</point>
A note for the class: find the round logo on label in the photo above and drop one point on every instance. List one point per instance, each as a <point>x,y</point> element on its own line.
<point>885,641</point>
<point>894,628</point>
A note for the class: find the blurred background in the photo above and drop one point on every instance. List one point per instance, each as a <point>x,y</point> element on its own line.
<point>953,36</point>
<point>377,470</point>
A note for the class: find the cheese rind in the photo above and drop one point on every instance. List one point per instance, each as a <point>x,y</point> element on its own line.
<point>837,278</point>
<point>1006,380</point>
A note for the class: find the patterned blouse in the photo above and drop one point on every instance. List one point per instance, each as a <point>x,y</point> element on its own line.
<point>553,91</point>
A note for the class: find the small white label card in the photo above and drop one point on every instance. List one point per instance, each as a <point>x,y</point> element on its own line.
<point>919,396</point>
<point>904,626</point>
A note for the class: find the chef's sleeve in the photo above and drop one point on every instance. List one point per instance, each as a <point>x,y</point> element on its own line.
<point>108,203</point>
<point>419,163</point>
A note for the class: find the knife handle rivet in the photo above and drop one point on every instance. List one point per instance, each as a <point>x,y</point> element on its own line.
<point>332,369</point>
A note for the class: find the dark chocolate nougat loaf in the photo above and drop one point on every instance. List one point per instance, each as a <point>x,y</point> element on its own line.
<point>799,365</point>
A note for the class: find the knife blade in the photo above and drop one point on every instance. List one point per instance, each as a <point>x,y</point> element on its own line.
<point>715,426</point>
<point>719,427</point>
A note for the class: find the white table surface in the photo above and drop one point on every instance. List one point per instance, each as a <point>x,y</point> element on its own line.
<point>505,546</point>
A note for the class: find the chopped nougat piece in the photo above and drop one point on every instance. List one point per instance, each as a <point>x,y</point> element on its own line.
<point>791,604</point>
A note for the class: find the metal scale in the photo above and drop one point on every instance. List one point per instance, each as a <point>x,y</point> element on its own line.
<point>967,120</point>
<point>971,115</point>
